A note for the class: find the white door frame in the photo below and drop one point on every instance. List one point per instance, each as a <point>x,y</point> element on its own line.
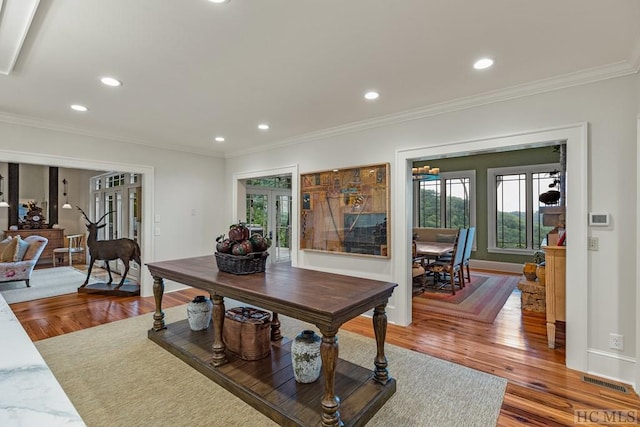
<point>577,284</point>
<point>239,195</point>
<point>148,182</point>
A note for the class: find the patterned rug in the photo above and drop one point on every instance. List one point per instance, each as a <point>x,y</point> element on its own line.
<point>481,300</point>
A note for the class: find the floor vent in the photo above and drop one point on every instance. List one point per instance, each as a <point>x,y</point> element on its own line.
<point>601,383</point>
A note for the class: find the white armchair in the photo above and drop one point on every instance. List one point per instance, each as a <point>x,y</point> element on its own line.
<point>21,270</point>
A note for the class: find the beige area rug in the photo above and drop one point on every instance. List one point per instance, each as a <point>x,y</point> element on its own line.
<point>116,376</point>
<point>46,282</point>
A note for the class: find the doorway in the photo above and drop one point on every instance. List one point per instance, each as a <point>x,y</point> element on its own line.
<point>268,212</point>
<point>116,197</point>
<point>244,181</point>
<point>575,136</point>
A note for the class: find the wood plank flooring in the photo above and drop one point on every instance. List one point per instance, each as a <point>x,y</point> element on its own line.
<point>541,391</point>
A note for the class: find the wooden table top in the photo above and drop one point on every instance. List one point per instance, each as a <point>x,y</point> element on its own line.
<point>433,249</point>
<point>312,296</point>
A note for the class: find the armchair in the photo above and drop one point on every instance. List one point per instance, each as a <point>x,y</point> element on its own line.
<point>14,271</point>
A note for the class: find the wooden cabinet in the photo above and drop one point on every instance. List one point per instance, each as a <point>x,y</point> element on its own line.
<point>54,235</point>
<point>555,299</point>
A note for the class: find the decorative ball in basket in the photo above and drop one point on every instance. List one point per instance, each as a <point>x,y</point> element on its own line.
<point>240,252</point>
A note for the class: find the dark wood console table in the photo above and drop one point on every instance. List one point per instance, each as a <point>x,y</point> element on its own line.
<point>345,394</point>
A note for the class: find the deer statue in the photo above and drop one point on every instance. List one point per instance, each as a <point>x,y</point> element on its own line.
<point>108,250</point>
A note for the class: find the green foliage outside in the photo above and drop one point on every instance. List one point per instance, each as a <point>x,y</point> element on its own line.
<point>510,227</point>
<point>257,215</point>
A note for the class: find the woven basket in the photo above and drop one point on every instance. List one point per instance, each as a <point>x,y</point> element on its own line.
<point>254,262</point>
<point>247,332</point>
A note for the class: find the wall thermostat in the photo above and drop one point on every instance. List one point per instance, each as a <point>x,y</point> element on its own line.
<point>599,219</point>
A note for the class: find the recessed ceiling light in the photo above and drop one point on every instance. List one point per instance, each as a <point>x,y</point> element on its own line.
<point>371,95</point>
<point>219,138</point>
<point>219,1</point>
<point>263,126</point>
<point>483,63</point>
<point>78,107</point>
<point>110,81</point>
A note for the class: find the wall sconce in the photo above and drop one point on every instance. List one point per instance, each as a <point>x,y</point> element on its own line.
<point>3,204</point>
<point>66,199</point>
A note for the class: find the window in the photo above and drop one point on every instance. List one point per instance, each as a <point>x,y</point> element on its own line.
<point>515,222</point>
<point>448,202</point>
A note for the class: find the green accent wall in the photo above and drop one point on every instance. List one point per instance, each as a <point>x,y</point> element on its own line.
<point>480,163</point>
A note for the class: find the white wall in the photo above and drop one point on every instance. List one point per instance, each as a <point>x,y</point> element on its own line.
<point>182,189</point>
<point>610,107</point>
<point>183,183</point>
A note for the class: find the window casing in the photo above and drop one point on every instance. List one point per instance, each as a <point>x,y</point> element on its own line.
<point>448,202</point>
<point>514,219</point>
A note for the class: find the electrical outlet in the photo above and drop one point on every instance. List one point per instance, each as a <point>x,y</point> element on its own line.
<point>616,341</point>
<point>592,243</point>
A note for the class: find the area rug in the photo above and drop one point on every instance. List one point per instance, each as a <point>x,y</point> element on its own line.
<point>481,300</point>
<point>46,282</point>
<point>115,376</point>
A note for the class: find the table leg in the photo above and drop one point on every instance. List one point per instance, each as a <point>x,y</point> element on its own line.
<point>381,373</point>
<point>276,335</point>
<point>551,334</point>
<point>329,355</point>
<point>219,355</point>
<point>158,291</point>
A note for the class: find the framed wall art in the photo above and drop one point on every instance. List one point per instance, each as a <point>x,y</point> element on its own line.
<point>346,210</point>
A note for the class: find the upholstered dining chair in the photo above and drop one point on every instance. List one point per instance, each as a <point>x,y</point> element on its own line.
<point>452,267</point>
<point>471,232</point>
<point>75,246</point>
<point>417,268</point>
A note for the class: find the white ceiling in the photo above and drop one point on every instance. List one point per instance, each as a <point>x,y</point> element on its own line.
<point>193,69</point>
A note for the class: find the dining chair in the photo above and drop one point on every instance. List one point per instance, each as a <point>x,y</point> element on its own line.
<point>454,265</point>
<point>467,252</point>
<point>75,246</point>
<point>417,264</point>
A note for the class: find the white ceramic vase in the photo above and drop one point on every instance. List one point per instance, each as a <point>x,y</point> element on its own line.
<point>199,313</point>
<point>305,357</point>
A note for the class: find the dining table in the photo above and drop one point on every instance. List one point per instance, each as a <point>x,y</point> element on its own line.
<point>433,250</point>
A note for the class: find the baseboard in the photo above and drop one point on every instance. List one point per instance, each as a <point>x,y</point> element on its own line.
<point>504,267</point>
<point>612,366</point>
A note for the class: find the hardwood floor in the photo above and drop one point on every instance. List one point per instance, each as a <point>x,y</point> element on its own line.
<point>540,391</point>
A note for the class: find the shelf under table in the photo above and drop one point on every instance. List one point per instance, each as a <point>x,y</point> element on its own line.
<point>269,385</point>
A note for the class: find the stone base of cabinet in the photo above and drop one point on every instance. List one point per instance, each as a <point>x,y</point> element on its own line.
<point>532,297</point>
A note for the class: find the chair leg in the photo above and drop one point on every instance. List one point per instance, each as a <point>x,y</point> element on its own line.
<point>453,283</point>
<point>468,273</point>
<point>27,282</point>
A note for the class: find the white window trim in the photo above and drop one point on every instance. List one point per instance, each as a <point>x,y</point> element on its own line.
<point>491,203</point>
<point>471,175</point>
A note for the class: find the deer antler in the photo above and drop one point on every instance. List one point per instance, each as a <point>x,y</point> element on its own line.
<point>84,214</point>
<point>103,216</point>
<point>87,218</point>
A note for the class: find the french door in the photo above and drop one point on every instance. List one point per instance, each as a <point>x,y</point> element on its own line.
<point>269,213</point>
<point>119,195</point>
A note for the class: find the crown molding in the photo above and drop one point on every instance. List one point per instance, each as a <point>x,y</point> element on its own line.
<point>591,75</point>
<point>634,60</point>
<point>19,120</point>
